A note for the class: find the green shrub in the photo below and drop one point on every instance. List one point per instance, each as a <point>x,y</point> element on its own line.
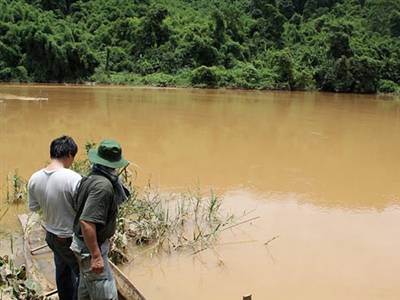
<point>158,79</point>
<point>303,80</point>
<point>228,78</point>
<point>118,60</point>
<point>251,74</point>
<point>205,77</point>
<point>388,86</point>
<point>6,74</point>
<point>365,71</point>
<point>268,79</point>
<point>146,68</point>
<point>21,74</point>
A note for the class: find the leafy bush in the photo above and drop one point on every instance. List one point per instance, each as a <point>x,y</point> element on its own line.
<point>21,74</point>
<point>304,80</point>
<point>251,74</point>
<point>388,86</point>
<point>116,60</point>
<point>365,71</point>
<point>228,78</point>
<point>146,68</point>
<point>158,79</point>
<point>283,66</point>
<point>6,74</point>
<point>205,76</point>
<point>268,79</point>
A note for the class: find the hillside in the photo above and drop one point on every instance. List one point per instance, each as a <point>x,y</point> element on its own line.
<point>330,45</point>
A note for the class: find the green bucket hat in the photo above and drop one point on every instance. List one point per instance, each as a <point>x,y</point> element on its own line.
<point>109,154</point>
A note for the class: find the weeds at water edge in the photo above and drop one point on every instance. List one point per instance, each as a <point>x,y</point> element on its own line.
<point>16,187</point>
<point>154,220</point>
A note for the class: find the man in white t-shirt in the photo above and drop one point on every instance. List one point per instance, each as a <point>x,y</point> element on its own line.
<point>52,190</point>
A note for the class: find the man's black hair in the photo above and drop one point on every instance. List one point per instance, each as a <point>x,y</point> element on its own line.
<point>62,147</point>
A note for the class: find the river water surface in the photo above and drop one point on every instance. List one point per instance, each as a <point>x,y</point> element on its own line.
<point>318,172</point>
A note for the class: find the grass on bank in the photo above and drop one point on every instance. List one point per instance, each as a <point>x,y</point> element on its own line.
<point>16,187</point>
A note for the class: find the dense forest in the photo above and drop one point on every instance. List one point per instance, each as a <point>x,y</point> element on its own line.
<point>330,45</point>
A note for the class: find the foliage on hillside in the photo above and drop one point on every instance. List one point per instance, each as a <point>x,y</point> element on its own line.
<point>330,45</point>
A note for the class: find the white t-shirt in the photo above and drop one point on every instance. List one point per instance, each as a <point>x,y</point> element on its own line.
<point>53,192</point>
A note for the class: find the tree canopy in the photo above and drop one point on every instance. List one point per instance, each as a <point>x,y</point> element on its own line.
<point>330,45</point>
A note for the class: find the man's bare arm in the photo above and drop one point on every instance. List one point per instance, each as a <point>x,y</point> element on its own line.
<point>89,235</point>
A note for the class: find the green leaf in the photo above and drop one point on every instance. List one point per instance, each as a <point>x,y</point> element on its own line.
<point>34,285</point>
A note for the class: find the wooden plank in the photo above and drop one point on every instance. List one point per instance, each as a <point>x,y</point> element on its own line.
<point>30,224</point>
<point>124,286</point>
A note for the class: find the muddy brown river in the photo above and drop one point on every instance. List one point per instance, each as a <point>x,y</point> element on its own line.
<point>318,172</point>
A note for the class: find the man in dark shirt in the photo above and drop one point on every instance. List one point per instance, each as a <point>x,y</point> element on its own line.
<point>98,197</point>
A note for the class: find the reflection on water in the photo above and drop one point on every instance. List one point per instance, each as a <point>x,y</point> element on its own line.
<point>320,171</point>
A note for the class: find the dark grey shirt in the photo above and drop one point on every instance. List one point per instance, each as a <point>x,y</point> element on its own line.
<point>96,204</point>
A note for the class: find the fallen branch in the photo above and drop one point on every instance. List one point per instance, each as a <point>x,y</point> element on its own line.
<point>275,237</point>
<point>234,225</point>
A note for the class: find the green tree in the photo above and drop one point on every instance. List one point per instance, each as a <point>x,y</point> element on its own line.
<point>283,66</point>
<point>260,4</point>
<point>379,13</point>
<point>152,33</point>
<point>220,26</point>
<point>366,73</point>
<point>338,38</point>
<point>310,8</point>
<point>286,8</point>
<point>269,27</point>
<point>394,21</point>
<point>234,23</point>
<point>61,5</point>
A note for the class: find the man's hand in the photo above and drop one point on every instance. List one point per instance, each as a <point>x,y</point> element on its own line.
<point>97,265</point>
